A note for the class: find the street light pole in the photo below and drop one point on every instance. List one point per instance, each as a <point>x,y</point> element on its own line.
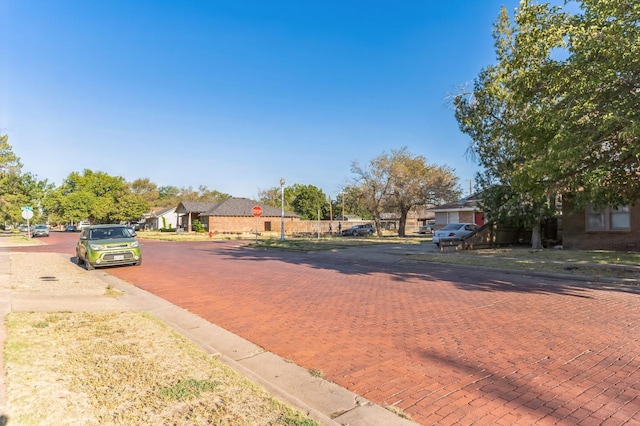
<point>282,205</point>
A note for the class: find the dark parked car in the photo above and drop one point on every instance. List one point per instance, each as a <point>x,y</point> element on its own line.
<point>40,231</point>
<point>359,230</point>
<point>107,245</point>
<point>71,228</point>
<point>426,229</point>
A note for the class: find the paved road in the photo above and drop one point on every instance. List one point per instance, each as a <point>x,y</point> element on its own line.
<point>446,345</point>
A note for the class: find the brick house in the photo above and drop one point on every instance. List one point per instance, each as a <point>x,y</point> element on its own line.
<point>594,228</point>
<point>465,210</point>
<point>234,215</point>
<point>189,211</point>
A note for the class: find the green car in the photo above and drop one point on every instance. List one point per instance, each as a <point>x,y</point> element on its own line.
<point>107,245</point>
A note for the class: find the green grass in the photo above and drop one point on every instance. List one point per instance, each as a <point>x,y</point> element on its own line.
<point>317,373</point>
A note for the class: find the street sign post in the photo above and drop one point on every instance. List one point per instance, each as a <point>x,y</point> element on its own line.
<point>256,211</point>
<point>27,213</point>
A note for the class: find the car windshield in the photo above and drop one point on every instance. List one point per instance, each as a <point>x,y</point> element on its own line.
<point>107,233</point>
<point>41,226</point>
<point>453,227</point>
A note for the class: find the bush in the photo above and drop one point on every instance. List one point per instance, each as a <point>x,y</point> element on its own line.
<point>198,226</point>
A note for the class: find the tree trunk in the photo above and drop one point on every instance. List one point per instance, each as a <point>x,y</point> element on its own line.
<point>536,237</point>
<point>378,223</point>
<point>402,226</point>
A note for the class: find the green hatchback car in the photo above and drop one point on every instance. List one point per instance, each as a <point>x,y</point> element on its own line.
<point>107,245</point>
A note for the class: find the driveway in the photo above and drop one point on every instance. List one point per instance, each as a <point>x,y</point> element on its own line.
<point>444,344</point>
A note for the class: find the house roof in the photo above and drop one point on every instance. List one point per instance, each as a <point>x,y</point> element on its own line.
<point>156,211</point>
<point>390,216</point>
<point>470,203</point>
<point>349,217</point>
<point>242,207</point>
<point>194,207</point>
<point>163,211</point>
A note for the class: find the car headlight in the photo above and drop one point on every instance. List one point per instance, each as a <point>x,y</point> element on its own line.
<point>134,244</point>
<point>97,246</point>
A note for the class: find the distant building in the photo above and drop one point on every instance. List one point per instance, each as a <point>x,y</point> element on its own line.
<point>233,215</point>
<point>465,210</point>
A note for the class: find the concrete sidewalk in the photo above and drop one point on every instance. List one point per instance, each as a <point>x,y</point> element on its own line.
<point>324,401</point>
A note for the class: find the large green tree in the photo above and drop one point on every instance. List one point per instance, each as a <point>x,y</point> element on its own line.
<point>171,196</point>
<point>304,200</point>
<point>558,112</point>
<point>147,190</point>
<point>98,197</point>
<point>18,189</point>
<point>9,162</point>
<point>310,201</point>
<point>399,181</point>
<point>349,202</point>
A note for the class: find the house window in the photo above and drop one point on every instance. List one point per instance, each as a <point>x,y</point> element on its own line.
<point>608,219</point>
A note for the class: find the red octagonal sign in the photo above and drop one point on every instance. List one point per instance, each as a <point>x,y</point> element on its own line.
<point>256,211</point>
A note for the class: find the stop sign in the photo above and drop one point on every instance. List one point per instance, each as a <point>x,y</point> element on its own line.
<point>256,211</point>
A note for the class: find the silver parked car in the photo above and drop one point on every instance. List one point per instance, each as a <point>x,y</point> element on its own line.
<point>454,231</point>
<point>40,231</point>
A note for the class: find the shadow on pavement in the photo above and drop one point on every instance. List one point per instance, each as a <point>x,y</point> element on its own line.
<point>389,259</point>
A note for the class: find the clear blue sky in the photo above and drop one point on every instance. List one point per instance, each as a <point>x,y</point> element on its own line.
<point>234,95</point>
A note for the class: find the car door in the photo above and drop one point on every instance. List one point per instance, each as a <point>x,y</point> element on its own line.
<point>81,248</point>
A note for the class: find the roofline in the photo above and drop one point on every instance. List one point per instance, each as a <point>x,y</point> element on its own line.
<point>459,209</point>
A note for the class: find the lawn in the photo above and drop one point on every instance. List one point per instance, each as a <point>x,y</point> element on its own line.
<point>124,369</point>
<point>596,263</point>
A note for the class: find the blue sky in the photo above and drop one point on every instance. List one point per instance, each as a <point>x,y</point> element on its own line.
<point>234,95</point>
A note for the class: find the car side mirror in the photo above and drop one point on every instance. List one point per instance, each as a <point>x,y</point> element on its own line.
<point>83,237</point>
<point>133,233</point>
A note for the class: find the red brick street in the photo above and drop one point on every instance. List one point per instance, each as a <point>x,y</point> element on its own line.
<point>445,344</point>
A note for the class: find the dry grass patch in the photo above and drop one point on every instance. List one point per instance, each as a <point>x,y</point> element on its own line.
<point>332,243</point>
<point>266,240</point>
<point>124,369</point>
<point>598,263</point>
<point>22,239</point>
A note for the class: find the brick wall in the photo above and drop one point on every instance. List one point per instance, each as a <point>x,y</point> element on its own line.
<point>292,226</point>
<point>239,224</point>
<point>575,235</point>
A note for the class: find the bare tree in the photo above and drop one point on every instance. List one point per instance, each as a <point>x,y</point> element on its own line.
<point>400,181</point>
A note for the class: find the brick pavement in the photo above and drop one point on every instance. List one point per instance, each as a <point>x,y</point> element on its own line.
<point>446,345</point>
